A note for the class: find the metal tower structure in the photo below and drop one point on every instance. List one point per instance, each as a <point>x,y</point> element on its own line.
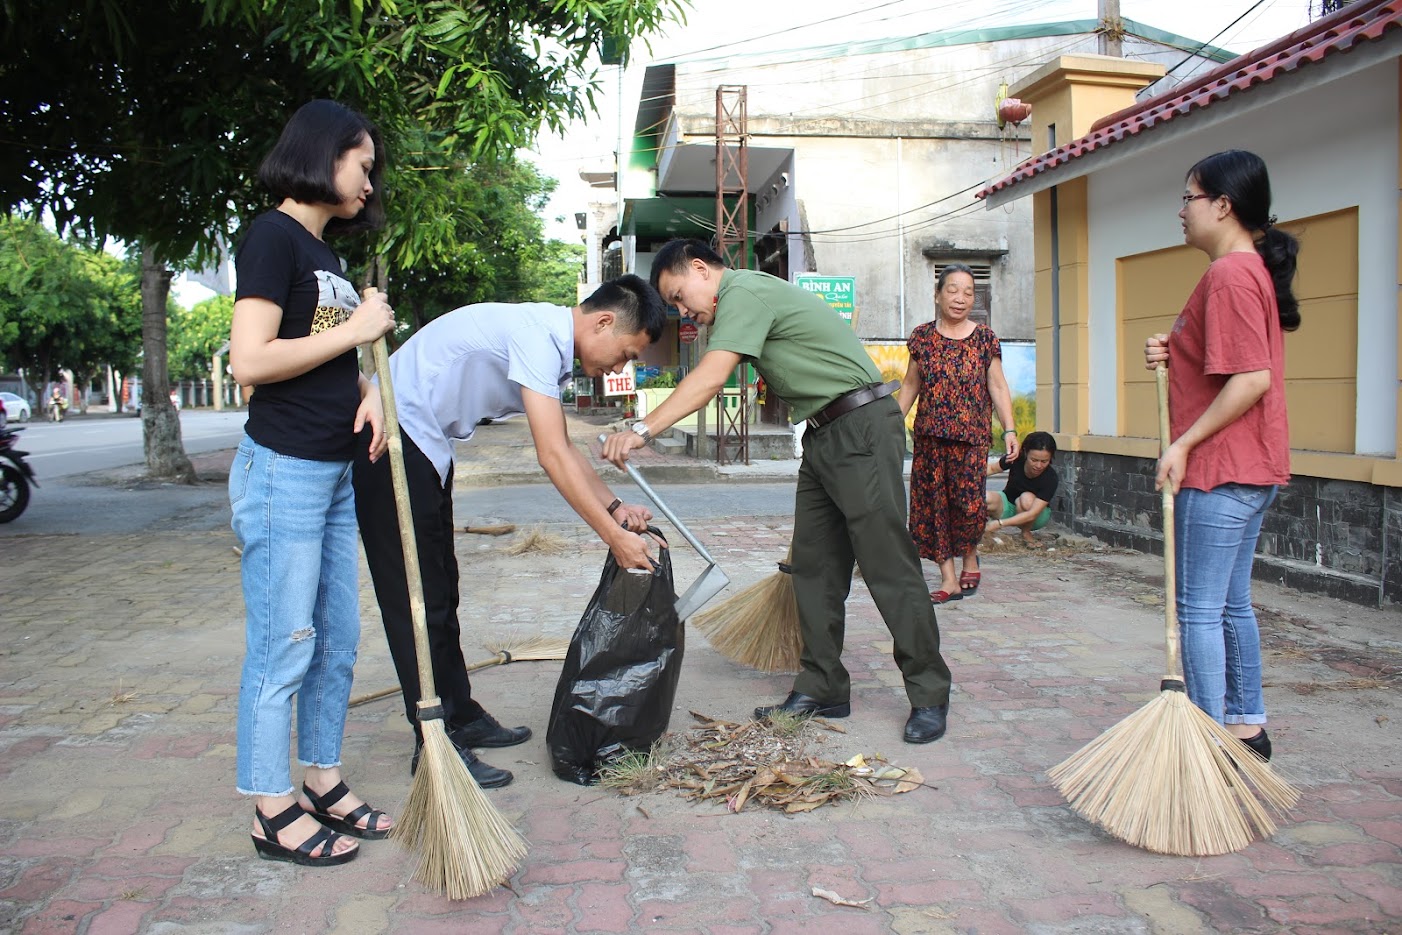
<point>732,243</point>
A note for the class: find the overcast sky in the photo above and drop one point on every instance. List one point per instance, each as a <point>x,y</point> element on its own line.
<point>716,28</point>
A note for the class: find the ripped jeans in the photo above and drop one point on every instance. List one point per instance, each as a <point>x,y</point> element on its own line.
<point>295,520</point>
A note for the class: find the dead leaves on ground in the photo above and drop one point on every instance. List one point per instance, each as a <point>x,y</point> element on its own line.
<point>753,763</point>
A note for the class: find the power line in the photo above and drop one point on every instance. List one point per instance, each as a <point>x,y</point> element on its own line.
<point>1194,54</point>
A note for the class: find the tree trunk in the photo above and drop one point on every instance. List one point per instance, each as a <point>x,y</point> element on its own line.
<point>160,423</point>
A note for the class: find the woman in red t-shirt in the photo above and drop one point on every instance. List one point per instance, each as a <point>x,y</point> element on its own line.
<point>956,371</point>
<point>1230,450</point>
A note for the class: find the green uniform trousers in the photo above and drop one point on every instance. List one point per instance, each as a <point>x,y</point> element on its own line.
<point>851,507</point>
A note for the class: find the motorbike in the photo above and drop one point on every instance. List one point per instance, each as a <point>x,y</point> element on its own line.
<point>56,409</point>
<point>15,476</point>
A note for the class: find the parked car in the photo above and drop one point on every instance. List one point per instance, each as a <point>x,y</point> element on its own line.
<point>15,407</point>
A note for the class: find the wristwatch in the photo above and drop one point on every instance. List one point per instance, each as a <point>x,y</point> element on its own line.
<point>640,430</point>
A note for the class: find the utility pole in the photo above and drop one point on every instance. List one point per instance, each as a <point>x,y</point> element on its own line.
<point>1111,29</point>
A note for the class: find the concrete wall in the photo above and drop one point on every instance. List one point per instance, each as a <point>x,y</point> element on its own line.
<point>1348,159</point>
<point>888,151</point>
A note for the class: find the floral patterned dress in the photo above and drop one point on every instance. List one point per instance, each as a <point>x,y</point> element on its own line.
<point>953,432</point>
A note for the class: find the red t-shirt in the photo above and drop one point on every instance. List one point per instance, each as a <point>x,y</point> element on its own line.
<point>1230,325</point>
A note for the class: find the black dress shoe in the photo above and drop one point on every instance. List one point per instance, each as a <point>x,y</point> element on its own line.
<point>1261,744</point>
<point>486,732</point>
<point>926,724</point>
<point>488,777</point>
<point>801,705</point>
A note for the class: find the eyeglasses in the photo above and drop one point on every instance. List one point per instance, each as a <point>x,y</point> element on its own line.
<point>1190,198</point>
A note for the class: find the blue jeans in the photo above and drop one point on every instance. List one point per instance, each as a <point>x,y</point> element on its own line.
<point>1216,534</point>
<point>296,522</point>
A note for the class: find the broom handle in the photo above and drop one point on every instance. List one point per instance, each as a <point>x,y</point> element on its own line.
<point>428,692</point>
<point>1173,666</point>
<point>498,659</point>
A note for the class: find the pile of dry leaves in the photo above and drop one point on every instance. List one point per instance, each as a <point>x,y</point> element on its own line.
<point>761,762</point>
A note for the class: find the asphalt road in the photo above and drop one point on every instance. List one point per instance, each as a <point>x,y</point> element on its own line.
<point>99,504</point>
<point>99,441</point>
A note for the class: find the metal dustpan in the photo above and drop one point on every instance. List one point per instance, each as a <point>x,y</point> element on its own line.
<point>711,581</point>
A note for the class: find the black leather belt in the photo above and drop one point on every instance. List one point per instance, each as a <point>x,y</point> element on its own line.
<point>853,400</point>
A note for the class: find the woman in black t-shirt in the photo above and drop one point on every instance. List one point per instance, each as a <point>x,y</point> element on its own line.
<point>1032,481</point>
<point>297,324</point>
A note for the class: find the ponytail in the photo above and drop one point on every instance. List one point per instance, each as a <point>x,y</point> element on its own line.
<point>1242,177</point>
<point>1279,249</point>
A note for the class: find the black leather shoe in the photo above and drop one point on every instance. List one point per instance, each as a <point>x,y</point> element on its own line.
<point>1261,744</point>
<point>926,725</point>
<point>801,705</point>
<point>486,732</point>
<point>488,777</point>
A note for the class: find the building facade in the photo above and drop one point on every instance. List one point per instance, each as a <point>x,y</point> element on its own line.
<point>1321,106</point>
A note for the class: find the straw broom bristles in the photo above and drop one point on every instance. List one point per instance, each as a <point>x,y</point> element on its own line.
<point>534,649</point>
<point>465,848</point>
<point>1170,779</point>
<point>537,540</point>
<point>757,626</point>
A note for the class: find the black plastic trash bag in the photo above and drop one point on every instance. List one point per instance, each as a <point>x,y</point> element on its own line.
<point>620,676</point>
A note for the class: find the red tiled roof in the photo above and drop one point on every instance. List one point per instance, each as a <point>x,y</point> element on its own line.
<point>1339,32</point>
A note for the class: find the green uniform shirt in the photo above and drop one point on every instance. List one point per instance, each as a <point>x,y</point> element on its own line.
<point>803,349</point>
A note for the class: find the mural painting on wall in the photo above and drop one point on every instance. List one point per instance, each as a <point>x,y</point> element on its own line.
<point>1019,365</point>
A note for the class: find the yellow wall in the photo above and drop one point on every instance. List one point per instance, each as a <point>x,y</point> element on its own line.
<point>1320,358</point>
<point>1073,279</point>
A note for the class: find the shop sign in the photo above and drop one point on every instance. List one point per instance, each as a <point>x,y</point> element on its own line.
<point>840,292</point>
<point>622,383</point>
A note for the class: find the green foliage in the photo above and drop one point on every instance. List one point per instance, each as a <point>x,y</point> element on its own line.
<point>148,127</point>
<point>196,333</point>
<point>551,273</point>
<point>491,249</point>
<point>63,304</point>
<point>665,380</point>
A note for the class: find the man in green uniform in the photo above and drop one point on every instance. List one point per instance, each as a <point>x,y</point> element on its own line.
<point>851,499</point>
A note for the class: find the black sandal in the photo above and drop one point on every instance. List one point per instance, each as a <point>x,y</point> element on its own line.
<point>347,824</point>
<point>269,848</point>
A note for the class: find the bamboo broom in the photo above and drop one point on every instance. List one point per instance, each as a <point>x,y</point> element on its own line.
<point>465,847</point>
<point>757,626</point>
<point>535,649</point>
<point>1169,778</point>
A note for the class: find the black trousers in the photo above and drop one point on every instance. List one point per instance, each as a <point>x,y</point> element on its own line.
<point>850,508</point>
<point>431,503</point>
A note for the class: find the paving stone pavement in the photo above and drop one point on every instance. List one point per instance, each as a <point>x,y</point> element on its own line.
<point>118,689</point>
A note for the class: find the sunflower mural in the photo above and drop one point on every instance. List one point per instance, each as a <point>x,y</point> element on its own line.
<point>892,358</point>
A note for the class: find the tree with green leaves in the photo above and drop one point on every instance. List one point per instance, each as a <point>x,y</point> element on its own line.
<point>196,334</point>
<point>64,305</point>
<point>148,127</point>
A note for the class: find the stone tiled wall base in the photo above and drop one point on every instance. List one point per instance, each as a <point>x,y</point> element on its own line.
<point>1339,538</point>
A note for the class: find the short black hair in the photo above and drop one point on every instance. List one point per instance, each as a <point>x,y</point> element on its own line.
<point>676,255</point>
<point>1038,441</point>
<point>635,305</point>
<point>302,166</point>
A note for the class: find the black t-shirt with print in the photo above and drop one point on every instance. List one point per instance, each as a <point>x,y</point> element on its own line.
<point>310,416</point>
<point>1043,486</point>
